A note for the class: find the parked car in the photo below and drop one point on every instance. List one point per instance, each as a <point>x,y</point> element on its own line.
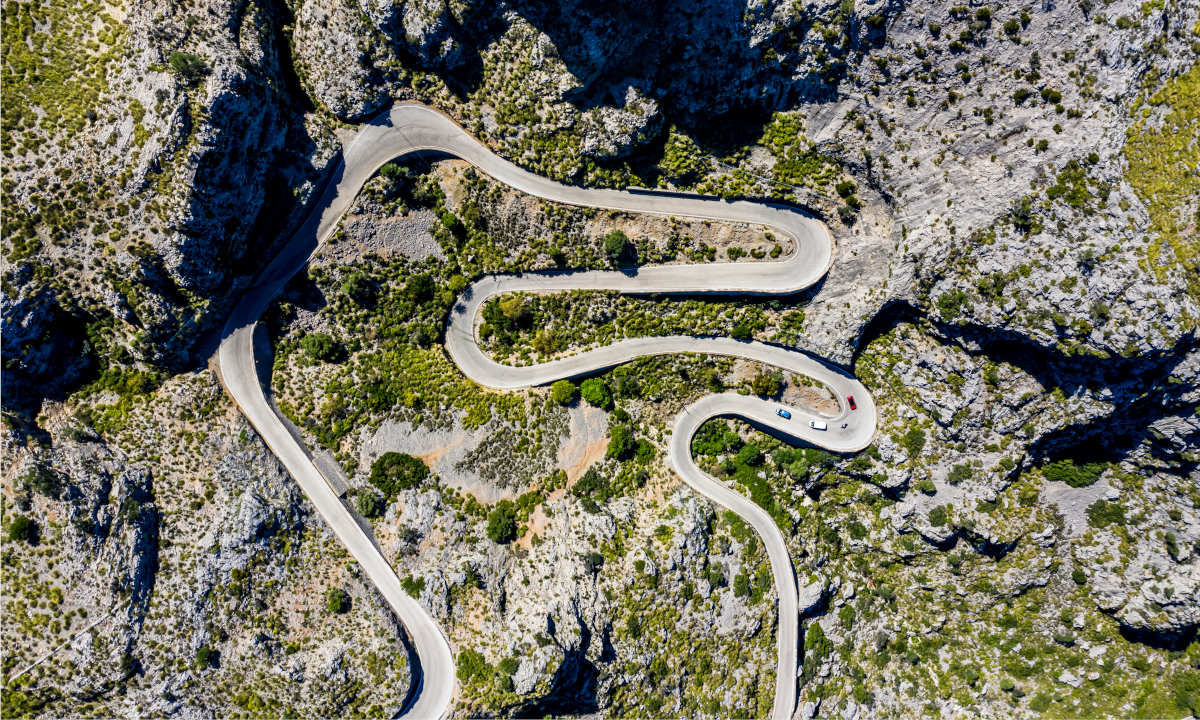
<point>850,399</point>
<point>818,425</point>
<point>783,414</point>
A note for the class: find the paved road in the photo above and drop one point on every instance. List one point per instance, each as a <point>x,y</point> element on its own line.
<point>408,128</point>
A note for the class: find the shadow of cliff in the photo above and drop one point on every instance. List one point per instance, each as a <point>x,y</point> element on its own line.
<point>716,68</point>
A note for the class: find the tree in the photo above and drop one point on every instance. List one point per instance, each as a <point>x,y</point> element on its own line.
<point>617,248</point>
<point>596,392</point>
<point>206,657</point>
<point>359,288</point>
<point>338,601</point>
<point>913,441</point>
<point>620,442</point>
<point>322,347</point>
<point>502,522</point>
<point>749,455</point>
<point>24,528</point>
<point>43,481</point>
<point>370,504</point>
<point>767,384</point>
<point>515,309</point>
<point>419,288</point>
<point>563,392</point>
<point>392,472</point>
<point>188,66</point>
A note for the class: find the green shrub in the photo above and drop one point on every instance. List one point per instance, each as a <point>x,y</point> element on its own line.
<point>621,442</point>
<point>412,585</point>
<point>472,667</point>
<point>188,66</point>
<point>206,657</point>
<point>359,288</point>
<point>913,442</point>
<point>749,455</point>
<point>1066,471</point>
<point>767,384</point>
<point>322,347</point>
<point>959,473</point>
<point>43,480</point>
<point>1079,576</point>
<point>1103,513</point>
<point>502,522</point>
<point>951,303</point>
<point>370,504</point>
<point>617,248</point>
<point>23,528</point>
<point>338,601</point>
<point>392,472</point>
<point>563,392</point>
<point>596,392</point>
<point>938,516</point>
<point>926,486</point>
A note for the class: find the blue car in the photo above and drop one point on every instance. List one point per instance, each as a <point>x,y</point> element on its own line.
<point>783,414</point>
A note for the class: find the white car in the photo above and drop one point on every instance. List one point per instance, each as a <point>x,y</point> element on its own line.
<point>818,425</point>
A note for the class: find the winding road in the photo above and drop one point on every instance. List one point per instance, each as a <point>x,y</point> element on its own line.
<point>409,128</point>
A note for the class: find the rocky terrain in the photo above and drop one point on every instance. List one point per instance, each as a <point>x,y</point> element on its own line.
<point>1014,201</point>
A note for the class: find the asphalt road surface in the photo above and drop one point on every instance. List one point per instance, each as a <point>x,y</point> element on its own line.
<point>407,129</point>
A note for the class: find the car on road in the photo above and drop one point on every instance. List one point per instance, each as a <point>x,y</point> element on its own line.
<point>850,399</point>
<point>818,425</point>
<point>783,414</point>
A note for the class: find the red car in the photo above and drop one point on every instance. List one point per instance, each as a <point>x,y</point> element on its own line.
<point>850,399</point>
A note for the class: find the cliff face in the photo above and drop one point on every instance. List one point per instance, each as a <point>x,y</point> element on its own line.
<point>124,243</point>
<point>1013,198</point>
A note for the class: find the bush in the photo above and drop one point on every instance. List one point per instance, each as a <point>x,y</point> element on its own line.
<point>419,288</point>
<point>938,517</point>
<point>23,528</point>
<point>370,504</point>
<point>1066,471</point>
<point>1020,95</point>
<point>206,657</point>
<point>563,392</point>
<point>359,288</point>
<point>617,248</point>
<point>1103,513</point>
<point>188,66</point>
<point>43,480</point>
<point>845,188</point>
<point>1079,576</point>
<point>502,523</point>
<point>767,384</point>
<point>749,455</point>
<point>322,347</point>
<point>412,585</point>
<point>926,486</point>
<point>472,666</point>
<point>596,392</point>
<point>338,601</point>
<point>959,473</point>
<point>393,472</point>
<point>913,442</point>
<point>620,442</point>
